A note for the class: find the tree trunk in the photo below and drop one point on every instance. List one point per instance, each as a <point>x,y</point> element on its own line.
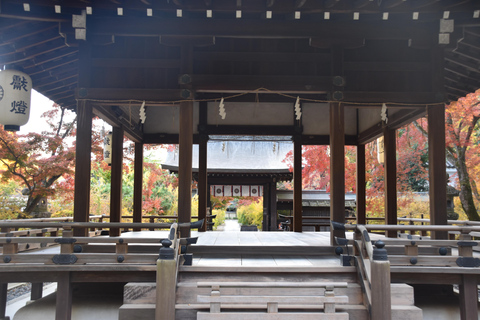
<point>466,194</point>
<point>32,204</point>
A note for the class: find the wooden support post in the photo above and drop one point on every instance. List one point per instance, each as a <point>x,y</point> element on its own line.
<point>64,298</point>
<point>185,166</point>
<point>390,179</point>
<point>10,248</point>
<point>381,294</point>
<point>3,300</point>
<point>266,207</point>
<point>37,291</point>
<point>116,179</point>
<point>330,306</point>
<point>411,250</point>
<point>121,248</point>
<point>273,206</point>
<point>437,169</point>
<point>297,184</point>
<point>67,232</point>
<point>81,202</point>
<point>361,186</point>
<point>138,184</point>
<point>337,168</point>
<point>202,181</point>
<point>166,286</point>
<point>468,297</point>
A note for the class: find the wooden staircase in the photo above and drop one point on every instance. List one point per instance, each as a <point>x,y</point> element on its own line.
<point>139,298</point>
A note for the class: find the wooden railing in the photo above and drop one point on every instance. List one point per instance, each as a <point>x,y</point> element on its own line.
<point>373,270</point>
<point>418,257</point>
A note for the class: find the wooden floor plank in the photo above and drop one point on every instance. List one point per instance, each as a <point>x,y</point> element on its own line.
<point>220,260</point>
<point>292,261</point>
<point>254,260</point>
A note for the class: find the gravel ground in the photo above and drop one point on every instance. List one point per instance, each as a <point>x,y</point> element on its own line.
<point>20,290</point>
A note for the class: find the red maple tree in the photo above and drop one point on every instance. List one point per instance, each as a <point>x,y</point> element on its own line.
<point>38,160</point>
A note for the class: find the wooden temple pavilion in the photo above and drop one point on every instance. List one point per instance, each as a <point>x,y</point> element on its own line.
<point>342,59</point>
<point>323,72</point>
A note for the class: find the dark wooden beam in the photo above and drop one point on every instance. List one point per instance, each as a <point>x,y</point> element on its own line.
<point>116,95</point>
<point>264,96</point>
<point>395,97</point>
<point>108,115</point>
<point>437,169</point>
<point>390,145</point>
<point>242,83</point>
<point>467,54</point>
<point>317,140</point>
<point>471,67</point>
<point>81,207</point>
<point>361,185</point>
<point>259,28</point>
<point>202,166</point>
<point>116,179</point>
<point>138,183</point>
<point>395,121</point>
<point>337,168</point>
<point>386,66</point>
<point>316,57</point>
<point>239,180</point>
<point>297,184</point>
<point>251,130</point>
<point>136,63</point>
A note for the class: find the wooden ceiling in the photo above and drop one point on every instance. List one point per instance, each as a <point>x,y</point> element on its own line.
<point>287,46</point>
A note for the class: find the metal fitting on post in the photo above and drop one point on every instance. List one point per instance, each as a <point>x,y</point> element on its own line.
<point>166,253</point>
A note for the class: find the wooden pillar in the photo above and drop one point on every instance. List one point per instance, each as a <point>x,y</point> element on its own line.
<point>116,179</point>
<point>266,207</point>
<point>138,184</point>
<point>81,202</point>
<point>390,146</point>
<point>273,206</point>
<point>185,166</point>
<point>202,181</point>
<point>297,184</point>
<point>63,309</point>
<point>37,291</point>
<point>209,200</point>
<point>468,297</point>
<point>361,195</point>
<point>337,168</point>
<point>3,299</point>
<point>437,169</point>
<point>202,165</point>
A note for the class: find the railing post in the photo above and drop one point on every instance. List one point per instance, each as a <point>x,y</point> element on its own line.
<point>37,291</point>
<point>381,292</point>
<point>3,301</point>
<point>166,283</point>
<point>64,298</point>
<point>468,297</point>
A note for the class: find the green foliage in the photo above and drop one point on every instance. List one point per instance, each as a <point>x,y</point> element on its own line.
<point>219,219</point>
<point>11,200</point>
<point>251,214</point>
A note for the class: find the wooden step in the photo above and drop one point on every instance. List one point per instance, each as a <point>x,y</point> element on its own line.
<point>406,313</point>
